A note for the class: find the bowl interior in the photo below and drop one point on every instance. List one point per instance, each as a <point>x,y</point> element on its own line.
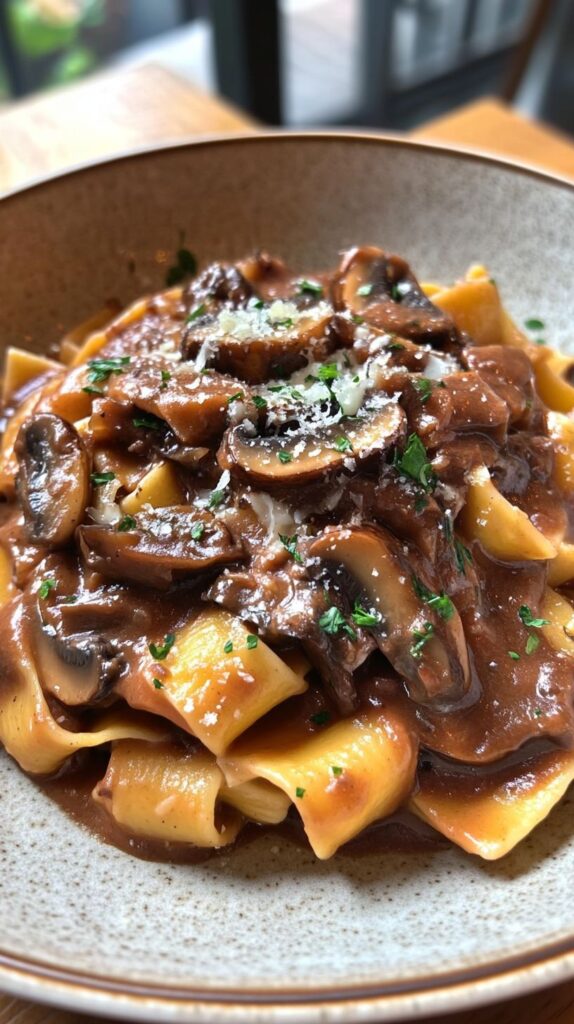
<point>269,917</point>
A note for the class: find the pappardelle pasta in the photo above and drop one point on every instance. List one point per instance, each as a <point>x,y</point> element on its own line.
<point>285,549</point>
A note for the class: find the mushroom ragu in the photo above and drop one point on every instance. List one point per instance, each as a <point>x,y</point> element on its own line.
<point>292,550</point>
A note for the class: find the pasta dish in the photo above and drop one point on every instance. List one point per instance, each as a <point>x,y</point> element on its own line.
<point>287,551</point>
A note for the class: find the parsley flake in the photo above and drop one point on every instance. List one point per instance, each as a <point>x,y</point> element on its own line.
<point>251,642</point>
<point>196,313</point>
<point>157,683</point>
<point>147,421</point>
<point>215,498</point>
<point>342,444</point>
<point>92,389</point>
<point>290,545</point>
<point>300,792</point>
<point>420,638</point>
<point>532,644</point>
<point>362,617</point>
<point>126,523</point>
<point>161,651</point>
<point>461,556</point>
<point>336,769</point>
<point>228,647</point>
<point>333,621</point>
<point>236,397</point>
<point>328,372</point>
<point>45,587</point>
<point>100,369</point>
<point>413,462</point>
<point>534,324</point>
<point>364,290</point>
<point>165,376</point>
<point>197,531</point>
<point>102,478</point>
<point>259,402</point>
<point>424,387</point>
<point>440,602</point>
<point>514,655</point>
<point>525,615</point>
<point>307,287</point>
<point>285,457</point>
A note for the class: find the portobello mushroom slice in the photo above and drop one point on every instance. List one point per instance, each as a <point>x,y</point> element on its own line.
<point>383,291</point>
<point>53,479</point>
<point>304,455</point>
<point>161,547</point>
<point>77,669</point>
<point>426,648</point>
<point>262,340</point>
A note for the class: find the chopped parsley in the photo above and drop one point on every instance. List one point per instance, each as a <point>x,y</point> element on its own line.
<point>395,293</point>
<point>259,402</point>
<point>228,647</point>
<point>420,503</point>
<point>413,462</point>
<point>424,387</point>
<point>196,313</point>
<point>395,346</point>
<point>357,319</point>
<point>100,369</point>
<point>532,644</point>
<point>215,498</point>
<point>336,769</point>
<point>157,683</point>
<point>537,712</point>
<point>320,717</point>
<point>126,523</point>
<point>290,545</point>
<point>534,324</point>
<point>165,376</point>
<point>147,421</point>
<point>197,531</point>
<point>251,642</point>
<point>328,372</point>
<point>161,651</point>
<point>525,615</point>
<point>70,598</point>
<point>102,478</point>
<point>514,655</point>
<point>440,602</point>
<point>420,638</point>
<point>236,397</point>
<point>45,587</point>
<point>307,287</point>
<point>364,290</point>
<point>287,322</point>
<point>92,389</point>
<point>461,556</point>
<point>342,444</point>
<point>362,617</point>
<point>333,622</point>
<point>285,457</point>
<point>185,266</point>
<point>300,792</point>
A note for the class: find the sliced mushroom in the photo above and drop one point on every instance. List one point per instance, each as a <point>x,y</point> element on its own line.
<point>194,405</point>
<point>383,290</point>
<point>53,479</point>
<point>302,455</point>
<point>428,651</point>
<point>164,546</point>
<point>218,283</point>
<point>77,669</point>
<point>262,341</point>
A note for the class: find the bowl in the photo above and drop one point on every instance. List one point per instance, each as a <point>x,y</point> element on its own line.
<point>268,933</point>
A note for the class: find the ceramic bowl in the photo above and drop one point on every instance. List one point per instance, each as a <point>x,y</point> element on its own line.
<point>268,933</point>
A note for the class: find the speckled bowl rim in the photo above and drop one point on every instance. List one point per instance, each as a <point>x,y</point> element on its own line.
<point>386,1001</point>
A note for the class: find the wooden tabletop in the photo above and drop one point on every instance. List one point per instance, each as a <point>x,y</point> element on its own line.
<point>114,111</point>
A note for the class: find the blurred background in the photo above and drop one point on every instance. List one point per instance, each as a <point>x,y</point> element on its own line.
<point>304,63</point>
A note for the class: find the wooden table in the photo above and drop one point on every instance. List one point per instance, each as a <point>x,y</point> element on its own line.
<point>115,111</point>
